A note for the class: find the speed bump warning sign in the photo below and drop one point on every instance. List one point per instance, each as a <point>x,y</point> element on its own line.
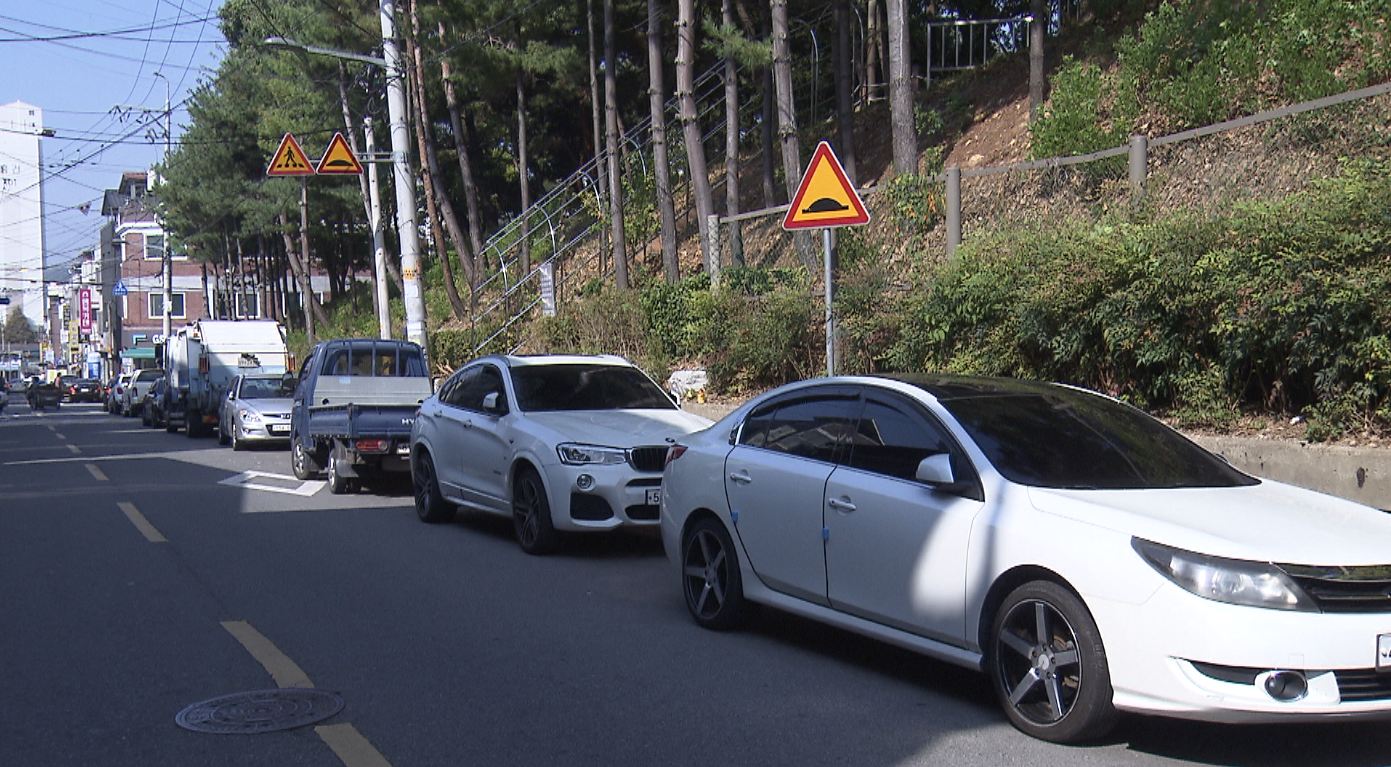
<point>825,198</point>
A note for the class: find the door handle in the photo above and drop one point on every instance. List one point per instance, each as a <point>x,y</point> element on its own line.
<point>741,477</point>
<point>841,505</point>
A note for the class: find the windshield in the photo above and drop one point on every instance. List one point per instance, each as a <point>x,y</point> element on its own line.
<point>264,388</point>
<point>149,375</point>
<point>586,387</point>
<point>1069,439</point>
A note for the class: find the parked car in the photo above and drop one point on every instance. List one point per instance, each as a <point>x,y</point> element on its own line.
<point>113,393</point>
<point>256,410</point>
<point>83,390</point>
<point>354,403</point>
<point>556,443</point>
<point>139,386</point>
<point>154,408</point>
<point>1088,558</point>
<point>4,393</point>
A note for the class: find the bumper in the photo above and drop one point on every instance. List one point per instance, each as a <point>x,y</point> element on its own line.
<point>1162,656</point>
<point>263,433</point>
<point>618,497</point>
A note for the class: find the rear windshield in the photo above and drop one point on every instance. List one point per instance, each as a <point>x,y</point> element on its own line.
<point>372,360</point>
<point>586,387</point>
<point>149,375</point>
<point>1074,440</point>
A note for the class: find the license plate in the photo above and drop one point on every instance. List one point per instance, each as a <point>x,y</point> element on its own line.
<point>1384,652</point>
<point>404,449</point>
<point>654,497</point>
<point>277,429</point>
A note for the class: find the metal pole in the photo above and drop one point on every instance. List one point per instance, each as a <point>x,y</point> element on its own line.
<point>167,262</point>
<point>308,298</point>
<point>405,184</point>
<point>378,235</point>
<point>953,210</point>
<point>1139,159</point>
<point>829,247</point>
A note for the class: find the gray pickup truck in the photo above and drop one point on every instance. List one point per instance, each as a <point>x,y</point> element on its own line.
<point>354,405</point>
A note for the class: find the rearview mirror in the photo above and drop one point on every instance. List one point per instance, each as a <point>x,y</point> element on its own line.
<point>935,470</point>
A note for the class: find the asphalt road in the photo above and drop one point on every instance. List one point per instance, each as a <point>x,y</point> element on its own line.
<point>141,572</point>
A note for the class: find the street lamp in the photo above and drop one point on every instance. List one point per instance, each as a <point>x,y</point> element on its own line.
<point>400,160</point>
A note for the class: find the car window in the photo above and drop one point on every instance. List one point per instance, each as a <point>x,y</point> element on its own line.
<point>809,427</point>
<point>365,360</point>
<point>586,387</point>
<point>147,376</point>
<point>892,440</point>
<point>1071,439</point>
<point>455,388</point>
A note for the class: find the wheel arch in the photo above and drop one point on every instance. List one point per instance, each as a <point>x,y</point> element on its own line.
<point>1007,582</point>
<point>697,515</point>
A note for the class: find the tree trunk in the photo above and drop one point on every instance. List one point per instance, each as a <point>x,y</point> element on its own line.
<point>620,246</point>
<point>731,143</point>
<point>522,180</point>
<point>845,107</point>
<point>765,135</point>
<point>690,127</point>
<point>661,168</point>
<point>601,171</point>
<point>874,56</point>
<point>787,123</point>
<point>300,269</point>
<point>456,125</point>
<point>415,81</point>
<point>905,138</point>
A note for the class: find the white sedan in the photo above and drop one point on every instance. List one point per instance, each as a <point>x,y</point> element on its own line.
<point>558,443</point>
<point>1088,558</point>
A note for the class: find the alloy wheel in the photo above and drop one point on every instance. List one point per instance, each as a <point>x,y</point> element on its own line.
<point>1039,664</point>
<point>706,569</point>
<point>525,508</point>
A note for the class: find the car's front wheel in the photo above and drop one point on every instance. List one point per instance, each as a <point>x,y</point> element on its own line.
<point>710,576</point>
<point>430,505</point>
<point>1048,666</point>
<point>531,515</point>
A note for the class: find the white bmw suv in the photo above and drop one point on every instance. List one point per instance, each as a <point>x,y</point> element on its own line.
<point>558,443</point>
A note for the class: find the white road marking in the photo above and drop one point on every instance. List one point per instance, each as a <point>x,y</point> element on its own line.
<point>75,450</point>
<point>247,480</point>
<point>143,525</point>
<point>96,473</point>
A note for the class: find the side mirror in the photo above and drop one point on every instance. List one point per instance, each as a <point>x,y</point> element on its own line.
<point>935,470</point>
<point>490,402</point>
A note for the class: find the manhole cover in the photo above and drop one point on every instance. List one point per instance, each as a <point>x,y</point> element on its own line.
<point>258,711</point>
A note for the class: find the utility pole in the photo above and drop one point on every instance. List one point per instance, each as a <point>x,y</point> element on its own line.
<point>165,259</point>
<point>404,182</point>
<point>378,239</point>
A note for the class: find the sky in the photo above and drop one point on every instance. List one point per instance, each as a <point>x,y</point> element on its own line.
<point>99,91</point>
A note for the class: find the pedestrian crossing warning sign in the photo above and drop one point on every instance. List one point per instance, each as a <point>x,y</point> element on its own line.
<point>338,159</point>
<point>289,160</point>
<point>825,197</point>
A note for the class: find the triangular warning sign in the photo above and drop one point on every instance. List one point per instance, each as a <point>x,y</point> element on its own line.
<point>338,159</point>
<point>289,160</point>
<point>825,197</point>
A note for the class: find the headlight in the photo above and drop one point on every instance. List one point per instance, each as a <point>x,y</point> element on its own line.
<point>1257,584</point>
<point>249,417</point>
<point>576,454</point>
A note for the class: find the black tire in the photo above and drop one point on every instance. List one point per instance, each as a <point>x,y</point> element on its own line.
<point>531,515</point>
<point>337,483</point>
<point>303,463</point>
<point>169,426</point>
<point>1048,666</point>
<point>222,438</point>
<point>710,577</point>
<point>237,444</point>
<point>430,505</point>
<point>145,419</point>
<point>193,424</point>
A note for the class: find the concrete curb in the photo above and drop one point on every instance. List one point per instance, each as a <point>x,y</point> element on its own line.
<point>1361,474</point>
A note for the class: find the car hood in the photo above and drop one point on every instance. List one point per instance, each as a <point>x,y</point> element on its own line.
<point>619,428</point>
<point>276,406</point>
<point>1269,522</point>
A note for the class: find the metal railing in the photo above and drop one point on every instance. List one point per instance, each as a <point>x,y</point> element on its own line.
<point>954,45</point>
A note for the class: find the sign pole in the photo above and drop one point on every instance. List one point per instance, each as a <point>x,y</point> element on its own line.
<point>828,244</point>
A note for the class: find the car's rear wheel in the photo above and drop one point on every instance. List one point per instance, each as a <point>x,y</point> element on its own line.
<point>338,483</point>
<point>1048,666</point>
<point>145,418</point>
<point>710,576</point>
<point>531,515</point>
<point>430,505</point>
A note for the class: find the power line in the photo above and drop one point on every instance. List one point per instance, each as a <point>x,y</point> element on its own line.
<point>76,34</point>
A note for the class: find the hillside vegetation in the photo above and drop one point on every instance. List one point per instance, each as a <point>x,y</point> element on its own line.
<point>1251,298</point>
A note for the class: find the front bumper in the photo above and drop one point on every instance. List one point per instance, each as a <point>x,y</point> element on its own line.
<point>1162,653</point>
<point>263,432</point>
<point>618,497</point>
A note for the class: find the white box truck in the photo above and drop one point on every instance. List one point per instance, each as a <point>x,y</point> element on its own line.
<point>202,359</point>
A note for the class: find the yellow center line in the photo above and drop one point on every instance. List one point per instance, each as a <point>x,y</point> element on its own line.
<point>143,525</point>
<point>284,671</point>
<point>96,472</point>
<point>350,746</point>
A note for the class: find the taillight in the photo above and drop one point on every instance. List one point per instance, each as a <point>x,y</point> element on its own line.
<point>674,452</point>
<point>372,445</point>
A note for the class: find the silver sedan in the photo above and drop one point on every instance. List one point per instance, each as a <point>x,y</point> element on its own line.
<point>256,410</point>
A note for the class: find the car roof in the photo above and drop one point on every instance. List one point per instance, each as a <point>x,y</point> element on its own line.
<point>524,360</point>
<point>945,387</point>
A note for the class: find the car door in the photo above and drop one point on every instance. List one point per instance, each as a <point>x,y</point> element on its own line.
<point>775,481</point>
<point>896,547</point>
<point>304,391</point>
<point>484,452</point>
